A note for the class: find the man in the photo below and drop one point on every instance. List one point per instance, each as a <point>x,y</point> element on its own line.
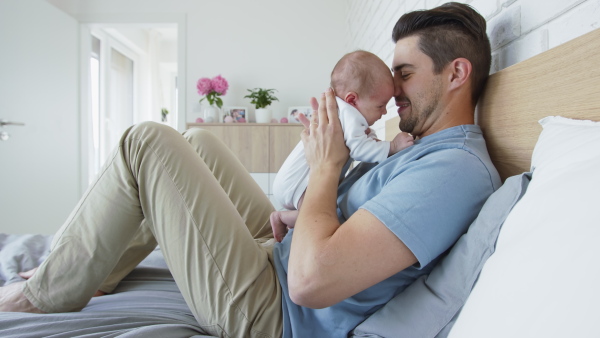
<point>353,247</point>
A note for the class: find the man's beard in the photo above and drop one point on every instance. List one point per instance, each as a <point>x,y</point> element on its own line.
<point>409,123</point>
<point>417,115</point>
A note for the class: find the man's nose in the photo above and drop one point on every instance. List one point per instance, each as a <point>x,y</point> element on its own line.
<point>397,88</point>
<point>397,85</point>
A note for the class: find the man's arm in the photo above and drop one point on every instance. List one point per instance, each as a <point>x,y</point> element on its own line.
<point>328,262</point>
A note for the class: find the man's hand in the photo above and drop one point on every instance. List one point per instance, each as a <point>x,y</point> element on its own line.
<point>323,136</point>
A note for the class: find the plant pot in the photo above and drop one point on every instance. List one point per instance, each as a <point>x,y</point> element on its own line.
<point>211,114</point>
<point>263,115</point>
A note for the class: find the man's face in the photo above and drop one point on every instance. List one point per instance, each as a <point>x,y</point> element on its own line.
<point>418,90</point>
<point>373,106</point>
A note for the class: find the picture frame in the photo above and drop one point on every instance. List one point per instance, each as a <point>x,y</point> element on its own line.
<point>236,114</point>
<point>295,110</point>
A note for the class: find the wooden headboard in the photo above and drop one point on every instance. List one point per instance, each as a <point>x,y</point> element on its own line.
<point>562,81</point>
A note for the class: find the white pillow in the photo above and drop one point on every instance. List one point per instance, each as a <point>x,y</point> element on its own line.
<point>544,278</point>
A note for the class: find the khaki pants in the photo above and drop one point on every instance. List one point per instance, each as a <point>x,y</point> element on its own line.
<point>196,200</point>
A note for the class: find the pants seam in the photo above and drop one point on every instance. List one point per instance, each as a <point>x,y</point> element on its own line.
<point>37,302</point>
<point>192,217</point>
<point>75,212</point>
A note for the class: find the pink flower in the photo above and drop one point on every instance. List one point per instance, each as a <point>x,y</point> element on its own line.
<point>204,86</point>
<point>220,85</point>
<point>211,89</point>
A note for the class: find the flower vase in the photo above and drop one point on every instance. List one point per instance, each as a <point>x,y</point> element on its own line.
<point>211,114</point>
<point>263,115</point>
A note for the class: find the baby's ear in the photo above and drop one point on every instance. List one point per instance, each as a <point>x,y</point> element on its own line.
<point>351,98</point>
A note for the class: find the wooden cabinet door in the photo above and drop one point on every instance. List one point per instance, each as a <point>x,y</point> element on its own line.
<point>283,139</point>
<point>250,143</point>
<point>262,148</point>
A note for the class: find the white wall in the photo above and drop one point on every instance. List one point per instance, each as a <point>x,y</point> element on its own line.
<point>287,45</point>
<point>518,29</point>
<point>283,44</point>
<point>39,164</point>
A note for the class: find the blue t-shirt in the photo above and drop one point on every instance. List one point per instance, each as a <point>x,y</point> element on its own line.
<point>427,195</point>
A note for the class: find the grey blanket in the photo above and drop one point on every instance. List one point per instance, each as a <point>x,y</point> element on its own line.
<point>147,303</point>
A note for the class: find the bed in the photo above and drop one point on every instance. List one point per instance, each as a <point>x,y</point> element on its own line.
<point>526,267</point>
<point>146,303</point>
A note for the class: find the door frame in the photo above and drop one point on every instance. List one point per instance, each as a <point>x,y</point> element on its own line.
<point>86,23</point>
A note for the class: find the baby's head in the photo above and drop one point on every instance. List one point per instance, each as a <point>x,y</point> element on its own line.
<point>365,82</point>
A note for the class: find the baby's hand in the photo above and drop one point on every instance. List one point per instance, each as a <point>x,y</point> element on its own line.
<point>281,221</point>
<point>400,142</point>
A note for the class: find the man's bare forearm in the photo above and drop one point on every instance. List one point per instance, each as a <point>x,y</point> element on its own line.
<point>317,222</point>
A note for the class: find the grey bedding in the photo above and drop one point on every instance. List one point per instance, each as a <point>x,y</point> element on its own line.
<point>146,303</point>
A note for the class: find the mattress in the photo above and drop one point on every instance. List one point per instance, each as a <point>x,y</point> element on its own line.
<point>147,303</point>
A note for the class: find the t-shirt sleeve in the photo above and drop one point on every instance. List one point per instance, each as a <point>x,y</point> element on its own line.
<point>432,202</point>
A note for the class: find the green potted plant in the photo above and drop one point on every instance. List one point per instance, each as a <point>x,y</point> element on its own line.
<point>262,98</point>
<point>164,112</point>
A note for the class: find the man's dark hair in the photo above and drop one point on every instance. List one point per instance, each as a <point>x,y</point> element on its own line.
<point>447,32</point>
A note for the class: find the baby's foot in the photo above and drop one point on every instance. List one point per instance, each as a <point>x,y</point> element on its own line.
<point>279,228</point>
<point>12,299</point>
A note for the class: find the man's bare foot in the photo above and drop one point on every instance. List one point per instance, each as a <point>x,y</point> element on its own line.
<point>28,274</point>
<point>12,299</point>
<point>99,293</point>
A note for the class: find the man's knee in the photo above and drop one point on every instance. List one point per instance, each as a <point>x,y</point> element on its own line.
<point>148,129</point>
<point>199,136</point>
<point>149,125</point>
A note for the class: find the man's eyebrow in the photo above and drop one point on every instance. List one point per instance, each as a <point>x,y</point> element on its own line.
<point>400,66</point>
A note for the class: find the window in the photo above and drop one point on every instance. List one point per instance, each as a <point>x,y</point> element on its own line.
<point>132,77</point>
<point>113,69</point>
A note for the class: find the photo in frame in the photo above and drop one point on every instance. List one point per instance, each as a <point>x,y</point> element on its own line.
<point>293,113</point>
<point>235,114</point>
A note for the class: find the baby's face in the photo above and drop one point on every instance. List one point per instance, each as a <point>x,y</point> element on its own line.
<point>373,106</point>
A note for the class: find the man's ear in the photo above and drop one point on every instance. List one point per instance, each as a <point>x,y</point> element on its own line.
<point>351,98</point>
<point>460,72</point>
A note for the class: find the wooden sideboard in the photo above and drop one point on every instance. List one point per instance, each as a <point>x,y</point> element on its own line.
<point>261,147</point>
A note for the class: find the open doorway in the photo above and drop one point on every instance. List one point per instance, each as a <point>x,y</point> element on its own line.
<point>129,76</point>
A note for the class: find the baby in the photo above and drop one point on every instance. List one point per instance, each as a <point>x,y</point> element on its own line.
<point>363,85</point>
